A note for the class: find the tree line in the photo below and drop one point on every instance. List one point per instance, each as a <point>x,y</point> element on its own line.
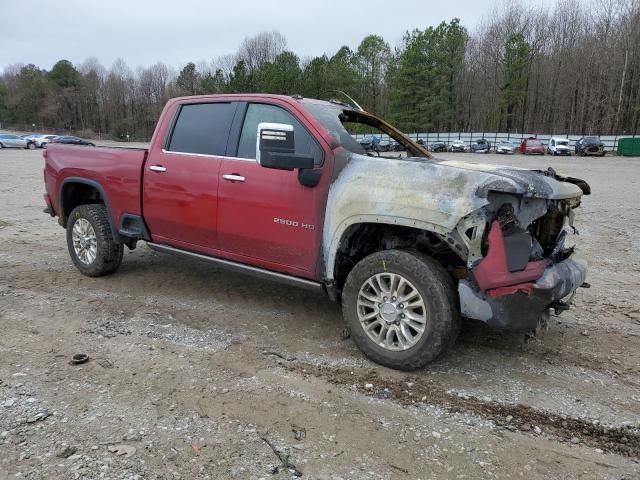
<point>574,68</point>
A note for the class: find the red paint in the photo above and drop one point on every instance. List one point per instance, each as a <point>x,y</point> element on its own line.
<point>190,206</point>
<point>117,170</point>
<point>271,216</point>
<point>181,204</point>
<point>47,200</point>
<point>526,288</point>
<point>492,271</point>
<point>531,146</point>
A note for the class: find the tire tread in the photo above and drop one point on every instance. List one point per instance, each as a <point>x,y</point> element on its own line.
<point>110,252</point>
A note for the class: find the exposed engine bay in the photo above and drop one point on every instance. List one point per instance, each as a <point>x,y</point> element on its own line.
<point>516,248</point>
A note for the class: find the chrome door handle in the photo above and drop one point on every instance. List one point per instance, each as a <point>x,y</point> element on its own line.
<point>234,178</point>
<point>157,168</point>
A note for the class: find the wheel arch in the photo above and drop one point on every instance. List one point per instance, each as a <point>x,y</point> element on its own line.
<point>76,191</point>
<point>365,236</point>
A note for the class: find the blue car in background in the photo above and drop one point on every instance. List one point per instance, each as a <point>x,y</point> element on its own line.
<point>481,146</point>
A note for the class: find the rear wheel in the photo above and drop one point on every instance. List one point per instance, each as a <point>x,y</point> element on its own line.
<point>90,241</point>
<point>401,308</point>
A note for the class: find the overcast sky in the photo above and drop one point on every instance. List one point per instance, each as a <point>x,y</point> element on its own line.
<point>178,31</point>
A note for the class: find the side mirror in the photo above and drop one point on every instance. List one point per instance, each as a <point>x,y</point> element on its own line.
<point>275,148</point>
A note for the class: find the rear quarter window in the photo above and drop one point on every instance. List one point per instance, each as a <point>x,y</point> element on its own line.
<point>202,128</point>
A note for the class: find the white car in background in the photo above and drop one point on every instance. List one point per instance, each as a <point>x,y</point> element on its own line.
<point>558,146</point>
<point>42,140</point>
<point>457,146</point>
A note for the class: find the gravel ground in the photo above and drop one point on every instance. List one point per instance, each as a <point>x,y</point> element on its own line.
<point>196,372</point>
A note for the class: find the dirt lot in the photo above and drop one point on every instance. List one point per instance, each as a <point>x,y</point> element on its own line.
<point>209,374</point>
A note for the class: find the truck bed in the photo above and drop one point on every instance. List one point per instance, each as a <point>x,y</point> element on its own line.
<point>117,170</point>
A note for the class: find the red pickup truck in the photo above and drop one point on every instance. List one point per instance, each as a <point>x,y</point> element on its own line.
<point>276,186</point>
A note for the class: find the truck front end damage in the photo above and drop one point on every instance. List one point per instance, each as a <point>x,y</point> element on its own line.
<point>519,265</point>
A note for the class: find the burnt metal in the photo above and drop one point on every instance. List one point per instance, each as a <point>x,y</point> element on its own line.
<point>518,249</point>
<point>548,228</point>
<point>582,184</point>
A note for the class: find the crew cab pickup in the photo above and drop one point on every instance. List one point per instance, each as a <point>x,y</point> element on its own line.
<point>276,186</point>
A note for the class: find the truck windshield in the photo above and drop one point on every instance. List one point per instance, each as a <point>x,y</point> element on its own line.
<point>345,123</point>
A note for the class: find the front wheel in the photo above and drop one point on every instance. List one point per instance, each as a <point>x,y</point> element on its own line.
<point>31,146</point>
<point>92,247</point>
<point>401,308</point>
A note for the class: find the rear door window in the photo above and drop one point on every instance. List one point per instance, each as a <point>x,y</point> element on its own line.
<point>202,128</point>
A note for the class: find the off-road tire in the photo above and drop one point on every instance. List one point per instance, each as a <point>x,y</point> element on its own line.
<point>436,288</point>
<point>109,252</point>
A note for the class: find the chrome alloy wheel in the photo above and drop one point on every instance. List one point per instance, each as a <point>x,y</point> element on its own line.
<point>392,311</point>
<point>85,244</point>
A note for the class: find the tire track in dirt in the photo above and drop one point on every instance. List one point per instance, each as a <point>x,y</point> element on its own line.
<point>623,440</point>
<point>562,358</point>
<point>44,281</point>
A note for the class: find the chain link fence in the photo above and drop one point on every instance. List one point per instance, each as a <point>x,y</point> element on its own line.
<point>427,138</point>
<point>610,141</point>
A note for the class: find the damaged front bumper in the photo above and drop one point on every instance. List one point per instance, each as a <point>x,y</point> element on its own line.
<point>521,307</point>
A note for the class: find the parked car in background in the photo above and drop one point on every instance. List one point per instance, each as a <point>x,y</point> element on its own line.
<point>395,146</point>
<point>531,146</point>
<point>558,146</point>
<point>384,146</point>
<point>72,141</point>
<point>438,147</point>
<point>590,146</point>
<point>481,145</point>
<point>42,140</point>
<point>32,137</point>
<point>507,148</point>
<point>10,140</point>
<point>365,143</point>
<point>457,146</point>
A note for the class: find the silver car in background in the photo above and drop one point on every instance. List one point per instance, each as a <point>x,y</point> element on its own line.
<point>507,148</point>
<point>9,140</point>
<point>42,140</point>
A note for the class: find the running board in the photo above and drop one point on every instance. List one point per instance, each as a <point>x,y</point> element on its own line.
<point>240,267</point>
